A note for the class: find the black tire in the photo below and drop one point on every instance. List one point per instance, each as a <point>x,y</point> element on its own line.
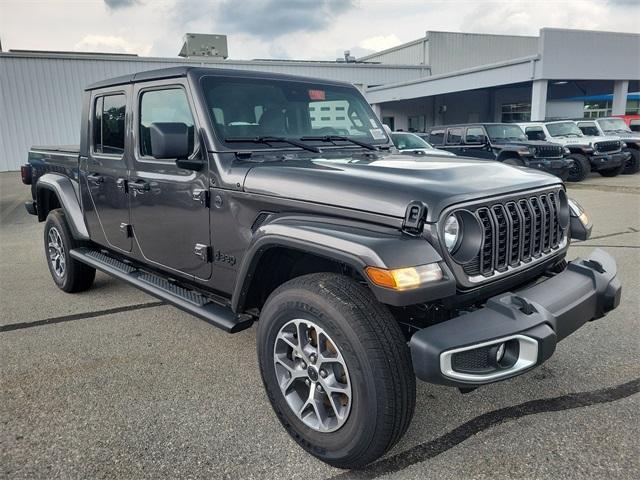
<point>514,162</point>
<point>633,164</point>
<point>75,276</point>
<point>377,358</point>
<point>612,172</point>
<point>581,168</point>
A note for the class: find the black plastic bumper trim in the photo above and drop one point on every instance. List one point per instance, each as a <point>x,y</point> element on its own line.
<point>560,305</point>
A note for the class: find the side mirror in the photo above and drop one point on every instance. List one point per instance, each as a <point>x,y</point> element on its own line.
<point>171,140</point>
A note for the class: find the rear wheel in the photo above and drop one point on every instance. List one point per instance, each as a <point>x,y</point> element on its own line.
<point>580,168</point>
<point>633,164</point>
<point>69,274</point>
<point>612,172</point>
<point>336,369</point>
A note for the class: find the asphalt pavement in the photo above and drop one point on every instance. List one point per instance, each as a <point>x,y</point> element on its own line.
<point>112,383</point>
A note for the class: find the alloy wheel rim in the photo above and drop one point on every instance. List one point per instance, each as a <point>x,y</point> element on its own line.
<point>312,375</point>
<point>56,252</point>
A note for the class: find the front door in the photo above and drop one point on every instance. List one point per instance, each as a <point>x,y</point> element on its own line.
<point>104,172</point>
<point>476,144</point>
<point>169,208</point>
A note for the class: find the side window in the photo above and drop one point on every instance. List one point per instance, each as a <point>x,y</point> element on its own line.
<point>474,135</point>
<point>454,136</point>
<point>163,106</point>
<point>108,124</point>
<point>436,137</point>
<point>534,133</point>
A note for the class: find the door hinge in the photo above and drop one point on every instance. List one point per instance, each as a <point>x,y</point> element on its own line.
<point>202,196</point>
<point>126,230</point>
<point>203,252</point>
<point>414,217</point>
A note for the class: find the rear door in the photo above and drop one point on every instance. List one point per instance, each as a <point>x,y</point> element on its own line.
<point>475,144</point>
<point>105,168</point>
<point>453,140</point>
<point>169,205</point>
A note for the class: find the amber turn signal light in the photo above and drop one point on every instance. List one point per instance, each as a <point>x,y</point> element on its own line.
<point>404,278</point>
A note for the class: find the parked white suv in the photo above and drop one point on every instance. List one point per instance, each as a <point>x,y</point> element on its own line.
<point>408,143</point>
<point>615,127</point>
<point>590,153</point>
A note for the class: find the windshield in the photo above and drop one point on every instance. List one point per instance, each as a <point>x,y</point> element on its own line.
<point>613,125</point>
<point>564,129</point>
<point>408,141</point>
<point>252,108</point>
<point>505,131</point>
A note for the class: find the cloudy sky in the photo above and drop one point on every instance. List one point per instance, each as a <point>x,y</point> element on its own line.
<point>299,29</point>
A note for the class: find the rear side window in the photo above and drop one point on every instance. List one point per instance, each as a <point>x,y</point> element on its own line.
<point>108,124</point>
<point>164,106</point>
<point>454,136</point>
<point>474,135</point>
<point>534,133</point>
<point>436,137</point>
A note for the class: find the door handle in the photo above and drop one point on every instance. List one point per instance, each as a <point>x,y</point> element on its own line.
<point>139,185</point>
<point>95,178</point>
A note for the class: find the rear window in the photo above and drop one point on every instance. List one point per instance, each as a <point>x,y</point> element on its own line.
<point>474,135</point>
<point>108,124</point>
<point>436,137</point>
<point>454,136</point>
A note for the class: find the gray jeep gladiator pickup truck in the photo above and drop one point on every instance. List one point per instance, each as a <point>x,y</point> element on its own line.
<point>245,197</point>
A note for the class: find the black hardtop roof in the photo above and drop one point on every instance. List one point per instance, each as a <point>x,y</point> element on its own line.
<point>183,71</point>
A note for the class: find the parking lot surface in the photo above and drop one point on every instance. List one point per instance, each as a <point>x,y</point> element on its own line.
<point>112,383</point>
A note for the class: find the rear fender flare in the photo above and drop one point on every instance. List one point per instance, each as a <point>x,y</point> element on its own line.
<point>63,188</point>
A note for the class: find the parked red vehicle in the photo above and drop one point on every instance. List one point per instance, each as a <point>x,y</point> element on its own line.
<point>632,120</point>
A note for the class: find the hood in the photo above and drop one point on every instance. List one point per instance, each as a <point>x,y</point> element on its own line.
<point>583,140</point>
<point>624,135</point>
<point>387,184</point>
<point>523,143</point>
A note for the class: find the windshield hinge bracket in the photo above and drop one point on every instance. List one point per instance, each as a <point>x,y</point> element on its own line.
<point>414,217</point>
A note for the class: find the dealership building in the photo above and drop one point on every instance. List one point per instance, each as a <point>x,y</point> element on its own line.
<point>441,78</point>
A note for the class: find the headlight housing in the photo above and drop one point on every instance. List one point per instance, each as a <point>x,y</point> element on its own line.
<point>566,151</point>
<point>452,232</point>
<point>578,211</point>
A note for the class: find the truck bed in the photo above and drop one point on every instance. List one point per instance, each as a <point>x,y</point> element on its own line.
<point>73,149</point>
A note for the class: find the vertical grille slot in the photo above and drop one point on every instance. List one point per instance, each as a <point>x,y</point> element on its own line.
<point>516,232</point>
<point>502,237</point>
<point>486,251</point>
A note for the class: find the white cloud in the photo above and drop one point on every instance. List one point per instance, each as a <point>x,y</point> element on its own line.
<point>110,44</point>
<point>380,42</point>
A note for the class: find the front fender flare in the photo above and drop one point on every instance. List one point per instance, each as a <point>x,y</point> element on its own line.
<point>64,190</point>
<point>351,243</point>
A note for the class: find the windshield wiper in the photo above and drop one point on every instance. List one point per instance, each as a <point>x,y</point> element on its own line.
<point>268,140</point>
<point>339,138</point>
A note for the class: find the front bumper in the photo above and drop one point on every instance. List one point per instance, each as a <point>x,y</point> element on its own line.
<point>556,166</point>
<point>605,161</point>
<point>529,323</point>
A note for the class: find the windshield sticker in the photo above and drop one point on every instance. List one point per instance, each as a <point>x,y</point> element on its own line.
<point>373,123</point>
<point>317,95</point>
<point>377,134</point>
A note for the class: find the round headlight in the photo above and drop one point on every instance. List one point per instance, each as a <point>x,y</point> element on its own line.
<point>451,232</point>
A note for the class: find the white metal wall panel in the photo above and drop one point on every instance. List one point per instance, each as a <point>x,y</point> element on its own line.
<point>449,52</point>
<point>412,53</point>
<point>41,95</point>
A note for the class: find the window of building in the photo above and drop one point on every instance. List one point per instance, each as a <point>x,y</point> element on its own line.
<point>169,105</point>
<point>325,109</point>
<point>389,122</point>
<point>516,112</point>
<point>417,123</point>
<point>108,124</point>
<point>474,135</point>
<point>454,136</point>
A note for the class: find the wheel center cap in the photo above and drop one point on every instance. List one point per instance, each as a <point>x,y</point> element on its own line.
<point>313,374</point>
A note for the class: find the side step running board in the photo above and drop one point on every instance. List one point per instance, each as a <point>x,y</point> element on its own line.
<point>188,300</point>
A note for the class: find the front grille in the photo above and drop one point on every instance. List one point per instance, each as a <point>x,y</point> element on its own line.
<point>548,151</point>
<point>607,147</point>
<point>515,232</point>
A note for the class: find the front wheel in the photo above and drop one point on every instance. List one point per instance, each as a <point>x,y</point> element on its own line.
<point>336,368</point>
<point>69,274</point>
<point>580,168</point>
<point>633,164</point>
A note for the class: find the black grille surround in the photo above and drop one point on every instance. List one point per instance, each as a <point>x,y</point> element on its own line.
<point>518,231</point>
<point>548,151</point>
<point>609,146</point>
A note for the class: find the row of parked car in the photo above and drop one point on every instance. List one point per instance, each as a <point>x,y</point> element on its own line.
<point>566,148</point>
